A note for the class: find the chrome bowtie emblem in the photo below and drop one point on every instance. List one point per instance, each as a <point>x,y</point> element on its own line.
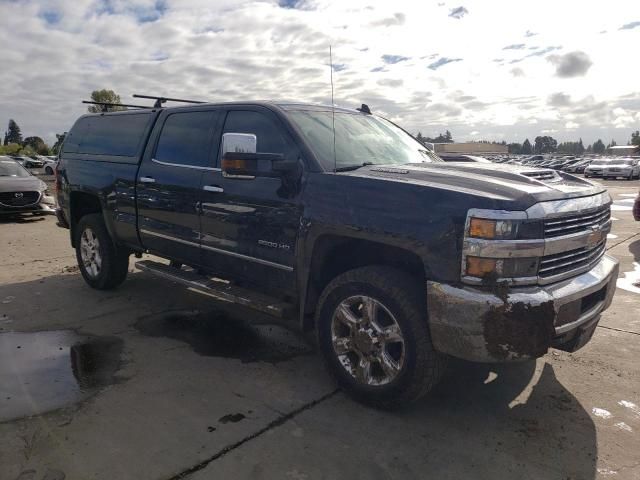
<point>18,195</point>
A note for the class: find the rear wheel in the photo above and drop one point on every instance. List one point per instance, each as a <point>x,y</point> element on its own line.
<point>48,170</point>
<point>630,177</point>
<point>103,266</point>
<point>374,336</point>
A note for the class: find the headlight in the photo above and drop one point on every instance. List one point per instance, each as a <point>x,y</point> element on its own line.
<point>490,229</point>
<point>502,267</point>
<point>504,229</point>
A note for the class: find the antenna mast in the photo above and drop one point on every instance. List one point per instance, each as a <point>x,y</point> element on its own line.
<point>333,113</point>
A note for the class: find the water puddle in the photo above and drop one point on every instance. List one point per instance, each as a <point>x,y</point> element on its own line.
<point>217,335</point>
<point>44,371</point>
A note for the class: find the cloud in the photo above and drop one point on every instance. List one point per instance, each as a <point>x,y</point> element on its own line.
<point>630,26</point>
<point>530,34</point>
<point>389,82</point>
<point>517,72</point>
<point>458,12</point>
<point>394,59</point>
<point>443,61</point>
<point>559,100</point>
<point>570,125</point>
<point>515,46</point>
<point>543,52</point>
<point>397,19</point>
<point>573,64</point>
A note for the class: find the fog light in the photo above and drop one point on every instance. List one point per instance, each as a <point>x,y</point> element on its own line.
<point>479,267</point>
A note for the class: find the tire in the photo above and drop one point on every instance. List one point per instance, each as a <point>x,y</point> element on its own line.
<point>107,266</point>
<point>399,298</point>
<point>630,177</point>
<point>48,170</point>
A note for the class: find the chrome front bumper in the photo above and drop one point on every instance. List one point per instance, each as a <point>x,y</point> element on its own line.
<point>519,323</point>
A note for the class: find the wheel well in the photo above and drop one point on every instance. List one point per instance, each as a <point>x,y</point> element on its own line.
<point>333,255</point>
<point>82,204</point>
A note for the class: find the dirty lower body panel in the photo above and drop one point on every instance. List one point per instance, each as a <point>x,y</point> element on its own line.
<point>477,325</point>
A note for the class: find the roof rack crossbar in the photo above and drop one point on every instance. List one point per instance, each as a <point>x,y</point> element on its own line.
<point>105,105</point>
<point>161,100</point>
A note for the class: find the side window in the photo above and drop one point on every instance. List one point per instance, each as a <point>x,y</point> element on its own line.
<point>116,134</point>
<point>186,138</point>
<point>271,138</point>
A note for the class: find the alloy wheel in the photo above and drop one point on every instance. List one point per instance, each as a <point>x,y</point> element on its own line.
<point>90,252</point>
<point>368,340</point>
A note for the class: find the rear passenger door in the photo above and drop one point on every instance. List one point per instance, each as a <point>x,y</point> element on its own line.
<point>168,184</point>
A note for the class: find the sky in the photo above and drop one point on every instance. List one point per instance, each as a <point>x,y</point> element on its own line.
<point>483,69</point>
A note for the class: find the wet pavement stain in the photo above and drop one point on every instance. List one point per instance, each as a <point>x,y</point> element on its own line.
<point>218,335</point>
<point>44,371</point>
<point>232,418</point>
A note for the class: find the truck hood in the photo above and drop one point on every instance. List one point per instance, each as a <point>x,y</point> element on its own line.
<point>510,183</point>
<point>21,184</point>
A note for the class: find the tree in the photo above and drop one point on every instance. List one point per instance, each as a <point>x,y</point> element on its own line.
<point>515,148</point>
<point>37,144</point>
<point>598,147</point>
<point>635,138</point>
<point>10,149</point>
<point>545,144</point>
<point>448,137</point>
<point>590,149</point>
<point>56,146</point>
<point>612,144</point>
<point>526,147</point>
<point>13,134</point>
<point>106,96</point>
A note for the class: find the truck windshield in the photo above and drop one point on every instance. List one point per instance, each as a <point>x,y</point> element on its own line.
<point>360,140</point>
<point>10,168</point>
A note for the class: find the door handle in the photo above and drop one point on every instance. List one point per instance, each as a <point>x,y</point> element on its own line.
<point>147,180</point>
<point>213,188</point>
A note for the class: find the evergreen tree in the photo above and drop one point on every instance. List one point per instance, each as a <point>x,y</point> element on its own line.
<point>448,137</point>
<point>13,134</point>
<point>598,147</point>
<point>635,138</point>
<point>526,147</point>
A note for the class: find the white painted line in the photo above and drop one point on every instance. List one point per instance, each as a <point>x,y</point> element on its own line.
<point>631,283</point>
<point>623,426</point>
<point>601,412</point>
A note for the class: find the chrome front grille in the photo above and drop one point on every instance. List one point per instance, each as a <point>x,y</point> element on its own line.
<point>19,199</point>
<point>583,222</point>
<point>573,261</point>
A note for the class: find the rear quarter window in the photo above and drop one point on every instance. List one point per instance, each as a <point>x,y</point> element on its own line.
<point>120,135</point>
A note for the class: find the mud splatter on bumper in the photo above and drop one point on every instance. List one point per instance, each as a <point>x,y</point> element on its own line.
<point>475,324</point>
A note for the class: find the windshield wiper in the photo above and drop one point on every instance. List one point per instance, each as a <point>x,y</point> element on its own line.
<point>349,168</point>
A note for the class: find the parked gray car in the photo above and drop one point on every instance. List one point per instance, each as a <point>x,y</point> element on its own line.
<point>21,192</point>
<point>628,168</point>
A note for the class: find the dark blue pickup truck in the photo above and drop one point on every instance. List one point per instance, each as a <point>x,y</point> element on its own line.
<point>340,221</point>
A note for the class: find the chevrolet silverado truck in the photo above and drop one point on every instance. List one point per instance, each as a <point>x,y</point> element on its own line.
<point>340,222</point>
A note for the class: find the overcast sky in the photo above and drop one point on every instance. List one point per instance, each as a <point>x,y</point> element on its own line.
<point>483,69</point>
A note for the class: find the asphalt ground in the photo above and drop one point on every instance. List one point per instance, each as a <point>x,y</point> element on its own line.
<point>152,381</point>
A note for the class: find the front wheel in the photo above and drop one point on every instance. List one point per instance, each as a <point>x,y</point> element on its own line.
<point>103,266</point>
<point>48,170</point>
<point>374,336</point>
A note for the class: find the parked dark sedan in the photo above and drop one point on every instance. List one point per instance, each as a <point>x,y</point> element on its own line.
<point>21,192</point>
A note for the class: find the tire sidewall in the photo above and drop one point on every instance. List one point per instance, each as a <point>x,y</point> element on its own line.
<point>344,379</point>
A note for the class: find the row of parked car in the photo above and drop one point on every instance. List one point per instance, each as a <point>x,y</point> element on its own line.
<point>605,167</point>
<point>47,163</point>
